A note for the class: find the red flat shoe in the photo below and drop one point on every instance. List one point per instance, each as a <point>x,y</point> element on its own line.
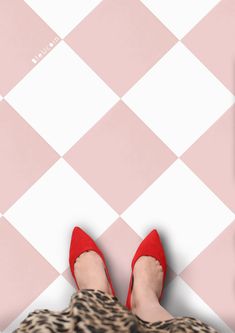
<point>82,242</point>
<point>150,246</point>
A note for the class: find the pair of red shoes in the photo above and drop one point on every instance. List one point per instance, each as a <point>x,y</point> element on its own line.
<point>150,246</point>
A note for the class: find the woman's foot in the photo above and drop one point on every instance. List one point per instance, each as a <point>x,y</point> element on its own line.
<point>148,279</point>
<point>147,287</point>
<point>90,272</point>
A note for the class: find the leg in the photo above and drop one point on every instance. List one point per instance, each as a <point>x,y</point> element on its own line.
<point>148,278</point>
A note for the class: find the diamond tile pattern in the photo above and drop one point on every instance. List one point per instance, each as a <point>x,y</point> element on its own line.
<point>121,53</point>
<point>180,24</point>
<point>119,117</point>
<point>215,147</point>
<point>60,87</point>
<point>219,252</point>
<point>25,156</point>
<point>24,273</point>
<point>67,199</point>
<point>212,41</point>
<point>68,13</point>
<point>127,157</point>
<point>181,107</point>
<point>19,44</point>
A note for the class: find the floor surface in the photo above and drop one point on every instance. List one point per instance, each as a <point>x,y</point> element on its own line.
<point>118,117</point>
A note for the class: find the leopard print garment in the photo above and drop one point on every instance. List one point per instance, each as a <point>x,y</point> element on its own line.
<point>94,311</point>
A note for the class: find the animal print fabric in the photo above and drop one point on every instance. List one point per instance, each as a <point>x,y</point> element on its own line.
<point>94,311</point>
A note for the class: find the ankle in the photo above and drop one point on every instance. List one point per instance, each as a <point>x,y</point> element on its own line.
<point>152,313</point>
<point>144,309</point>
<point>144,298</point>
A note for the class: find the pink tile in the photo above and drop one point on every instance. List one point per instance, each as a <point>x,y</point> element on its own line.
<point>120,157</point>
<point>118,251</point>
<point>212,41</point>
<point>212,275</point>
<point>24,35</point>
<point>24,273</point>
<point>125,41</point>
<point>211,157</point>
<point>25,156</point>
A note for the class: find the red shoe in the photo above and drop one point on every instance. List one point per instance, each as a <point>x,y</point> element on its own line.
<point>150,246</point>
<point>81,242</point>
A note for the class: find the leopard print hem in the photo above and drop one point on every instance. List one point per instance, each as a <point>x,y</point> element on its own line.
<point>94,311</point>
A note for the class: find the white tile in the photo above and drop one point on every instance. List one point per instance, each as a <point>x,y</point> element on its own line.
<point>187,214</point>
<point>56,297</point>
<point>46,214</point>
<point>178,98</point>
<point>55,98</point>
<point>63,15</point>
<point>182,15</point>
<point>181,300</point>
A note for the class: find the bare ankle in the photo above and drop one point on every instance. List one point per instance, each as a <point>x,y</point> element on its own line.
<point>144,298</point>
<point>151,311</point>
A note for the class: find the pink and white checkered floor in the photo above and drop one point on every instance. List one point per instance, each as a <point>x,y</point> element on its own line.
<point>119,117</point>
